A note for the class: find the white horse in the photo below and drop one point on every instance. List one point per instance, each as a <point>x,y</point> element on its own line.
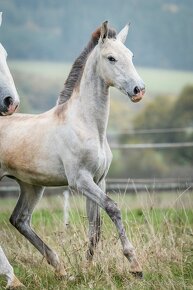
<point>68,146</point>
<point>9,101</point>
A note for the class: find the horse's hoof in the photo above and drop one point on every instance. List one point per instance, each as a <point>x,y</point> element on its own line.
<point>15,284</point>
<point>61,272</point>
<point>137,274</point>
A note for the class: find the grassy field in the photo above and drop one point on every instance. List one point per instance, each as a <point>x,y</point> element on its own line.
<point>159,225</point>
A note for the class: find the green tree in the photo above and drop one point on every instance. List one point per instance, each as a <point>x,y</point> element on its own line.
<point>182,116</point>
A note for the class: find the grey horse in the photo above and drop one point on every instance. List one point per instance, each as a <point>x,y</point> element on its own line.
<point>68,145</point>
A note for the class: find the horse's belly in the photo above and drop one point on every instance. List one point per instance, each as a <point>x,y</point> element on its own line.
<point>39,178</point>
<point>49,180</point>
<point>45,173</point>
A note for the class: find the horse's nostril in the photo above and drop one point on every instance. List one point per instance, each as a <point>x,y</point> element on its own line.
<point>136,90</point>
<point>8,101</point>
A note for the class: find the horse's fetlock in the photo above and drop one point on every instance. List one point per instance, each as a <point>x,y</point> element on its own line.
<point>129,252</point>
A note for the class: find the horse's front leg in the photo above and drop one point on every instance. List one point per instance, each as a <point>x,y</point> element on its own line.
<point>21,219</point>
<point>7,270</point>
<point>92,191</point>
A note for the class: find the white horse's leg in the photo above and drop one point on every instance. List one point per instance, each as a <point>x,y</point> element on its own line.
<point>93,213</point>
<point>91,190</point>
<point>21,220</point>
<point>7,270</point>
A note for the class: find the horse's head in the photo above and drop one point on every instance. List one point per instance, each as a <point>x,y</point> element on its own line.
<point>9,99</point>
<point>116,66</point>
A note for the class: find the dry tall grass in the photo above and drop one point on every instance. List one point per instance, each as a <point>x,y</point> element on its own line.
<point>162,234</point>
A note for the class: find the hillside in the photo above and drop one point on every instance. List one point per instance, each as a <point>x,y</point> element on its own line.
<point>160,35</point>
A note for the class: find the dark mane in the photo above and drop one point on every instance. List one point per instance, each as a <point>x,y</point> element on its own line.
<point>75,74</point>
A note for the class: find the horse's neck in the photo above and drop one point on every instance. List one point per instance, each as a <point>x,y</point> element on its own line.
<point>94,98</point>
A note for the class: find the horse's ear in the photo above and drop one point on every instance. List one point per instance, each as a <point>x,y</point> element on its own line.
<point>104,31</point>
<point>0,17</point>
<point>122,35</point>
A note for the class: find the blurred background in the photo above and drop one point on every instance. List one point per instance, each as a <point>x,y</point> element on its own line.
<point>150,140</point>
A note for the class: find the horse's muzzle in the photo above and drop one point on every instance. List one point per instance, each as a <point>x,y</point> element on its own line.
<point>8,107</point>
<point>137,97</point>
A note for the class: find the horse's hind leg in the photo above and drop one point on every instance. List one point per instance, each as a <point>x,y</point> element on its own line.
<point>7,270</point>
<point>94,218</point>
<point>93,213</point>
<point>21,219</point>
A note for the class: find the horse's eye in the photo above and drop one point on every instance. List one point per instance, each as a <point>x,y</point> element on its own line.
<point>111,59</point>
